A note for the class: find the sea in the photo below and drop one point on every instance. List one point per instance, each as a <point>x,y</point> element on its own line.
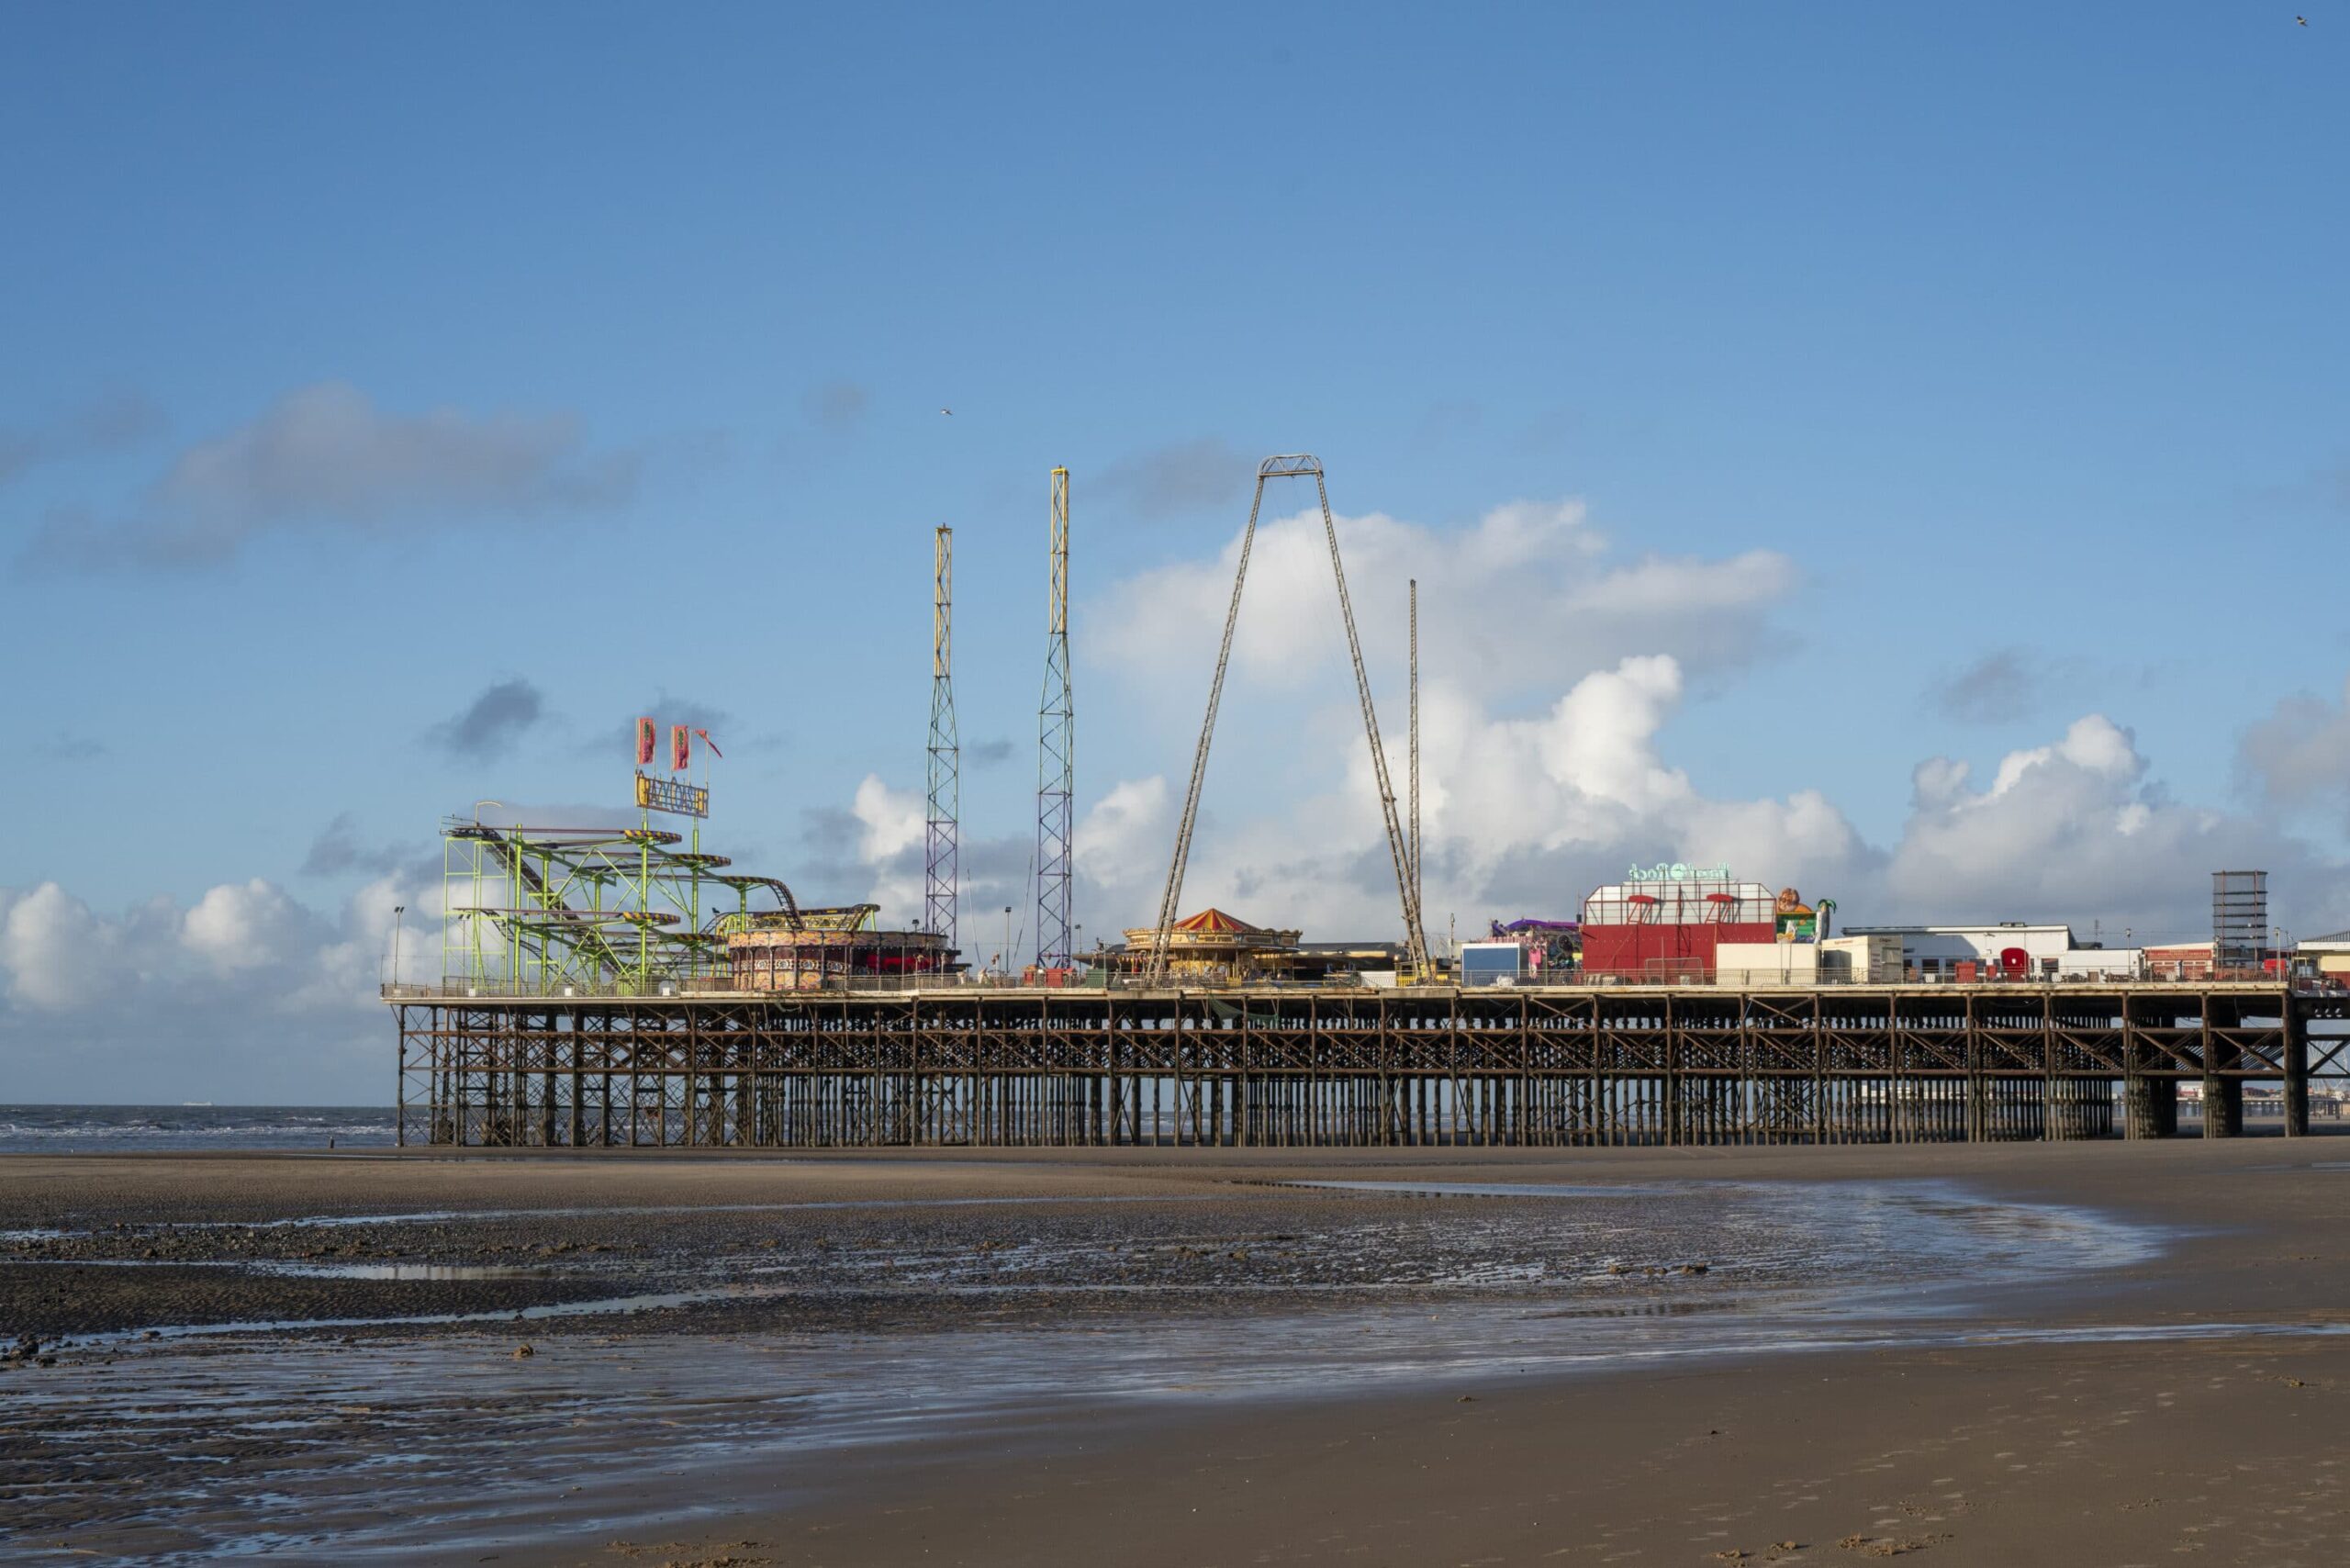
<point>115,1129</point>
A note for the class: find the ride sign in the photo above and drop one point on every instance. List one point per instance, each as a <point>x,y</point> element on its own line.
<point>1678,871</point>
<point>668,795</point>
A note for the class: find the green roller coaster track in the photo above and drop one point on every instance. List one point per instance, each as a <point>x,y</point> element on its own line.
<point>597,910</point>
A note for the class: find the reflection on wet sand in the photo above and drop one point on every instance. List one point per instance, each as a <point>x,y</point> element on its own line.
<point>263,1432</point>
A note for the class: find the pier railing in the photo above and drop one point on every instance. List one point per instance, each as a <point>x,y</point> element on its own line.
<point>502,988</point>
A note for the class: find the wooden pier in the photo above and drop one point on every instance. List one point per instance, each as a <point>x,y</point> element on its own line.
<point>1357,1066</point>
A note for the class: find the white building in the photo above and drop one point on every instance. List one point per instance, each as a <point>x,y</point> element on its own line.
<point>1740,964</point>
<point>2102,964</point>
<point>2331,954</point>
<point>1861,958</point>
<point>2011,947</point>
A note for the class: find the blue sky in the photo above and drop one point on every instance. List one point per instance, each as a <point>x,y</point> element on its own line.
<point>1967,373</point>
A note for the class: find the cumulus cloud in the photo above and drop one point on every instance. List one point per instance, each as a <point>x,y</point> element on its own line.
<point>326,457</point>
<point>53,950</point>
<point>1551,673</point>
<point>893,821</point>
<point>1522,814</point>
<point>2079,828</point>
<point>873,852</point>
<point>1185,476</point>
<point>1526,597</point>
<point>244,994</point>
<point>243,925</point>
<point>2298,754</point>
<point>1529,605</point>
<point>109,424</point>
<point>877,852</point>
<point>1126,828</point>
<point>891,830</point>
<point>1525,815</point>
<point>492,721</point>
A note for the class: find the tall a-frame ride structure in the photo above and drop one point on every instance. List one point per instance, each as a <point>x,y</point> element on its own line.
<point>1295,466</point>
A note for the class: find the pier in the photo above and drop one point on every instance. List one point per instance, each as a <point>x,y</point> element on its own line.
<point>1357,1066</point>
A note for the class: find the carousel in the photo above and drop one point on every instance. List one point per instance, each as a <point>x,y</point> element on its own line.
<point>1213,949</point>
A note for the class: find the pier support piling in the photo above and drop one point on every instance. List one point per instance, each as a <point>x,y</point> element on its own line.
<point>1422,1068</point>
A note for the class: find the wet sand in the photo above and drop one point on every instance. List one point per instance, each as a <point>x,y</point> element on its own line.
<point>1105,1310</point>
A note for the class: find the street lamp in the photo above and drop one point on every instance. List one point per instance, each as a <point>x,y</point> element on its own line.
<point>1075,957</point>
<point>1007,941</point>
<point>397,910</point>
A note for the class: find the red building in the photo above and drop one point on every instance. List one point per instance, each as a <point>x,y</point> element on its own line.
<point>1667,929</point>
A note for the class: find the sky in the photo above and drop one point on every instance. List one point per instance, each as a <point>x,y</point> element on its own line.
<point>1903,452</point>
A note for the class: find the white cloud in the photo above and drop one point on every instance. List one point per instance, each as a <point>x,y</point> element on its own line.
<point>1529,811</point>
<point>894,820</point>
<point>2076,830</point>
<point>246,993</point>
<point>1123,825</point>
<point>1524,813</point>
<point>1525,816</point>
<point>1523,599</point>
<point>56,953</point>
<point>2299,753</point>
<point>893,825</point>
<point>242,926</point>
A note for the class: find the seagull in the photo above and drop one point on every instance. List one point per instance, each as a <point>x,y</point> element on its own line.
<point>2301,21</point>
<point>948,412</point>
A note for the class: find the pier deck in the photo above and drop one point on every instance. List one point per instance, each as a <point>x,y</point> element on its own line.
<point>1359,1067</point>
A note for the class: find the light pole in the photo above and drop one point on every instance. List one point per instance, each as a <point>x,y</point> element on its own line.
<point>1079,956</point>
<point>1007,942</point>
<point>397,910</point>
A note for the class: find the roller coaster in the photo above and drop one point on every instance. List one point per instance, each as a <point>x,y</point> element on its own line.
<point>601,911</point>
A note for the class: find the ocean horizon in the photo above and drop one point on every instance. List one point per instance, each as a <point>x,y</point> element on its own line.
<point>114,1129</point>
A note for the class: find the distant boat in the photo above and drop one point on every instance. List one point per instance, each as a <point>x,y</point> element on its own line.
<point>184,1103</point>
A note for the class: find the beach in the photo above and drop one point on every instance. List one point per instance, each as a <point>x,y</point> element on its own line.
<point>2007,1353</point>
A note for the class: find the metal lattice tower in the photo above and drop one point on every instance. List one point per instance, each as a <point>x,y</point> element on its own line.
<point>939,864</point>
<point>1292,466</point>
<point>1056,752</point>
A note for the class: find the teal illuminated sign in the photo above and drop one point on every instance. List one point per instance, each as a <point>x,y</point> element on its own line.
<point>1678,871</point>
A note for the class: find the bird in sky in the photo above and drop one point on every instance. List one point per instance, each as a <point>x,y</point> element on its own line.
<point>2302,21</point>
<point>948,412</point>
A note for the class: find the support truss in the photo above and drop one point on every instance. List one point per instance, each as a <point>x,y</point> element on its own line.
<point>1057,752</point>
<point>940,877</point>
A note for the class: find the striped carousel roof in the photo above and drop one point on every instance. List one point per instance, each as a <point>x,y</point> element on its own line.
<point>1214,923</point>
